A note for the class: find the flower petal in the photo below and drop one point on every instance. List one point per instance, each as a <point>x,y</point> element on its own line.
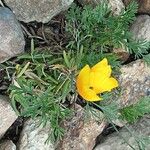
<point>107,85</point>
<point>103,68</point>
<point>101,64</point>
<point>83,87</point>
<point>96,80</point>
<point>89,95</point>
<point>83,77</point>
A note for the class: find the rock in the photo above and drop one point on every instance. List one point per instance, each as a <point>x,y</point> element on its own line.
<point>141,27</point>
<point>81,134</point>
<point>116,5</point>
<point>37,10</point>
<point>33,136</point>
<point>11,37</point>
<point>115,142</point>
<point>144,6</point>
<point>14,130</point>
<point>122,54</point>
<point>1,3</point>
<point>7,115</point>
<point>7,145</point>
<point>134,82</point>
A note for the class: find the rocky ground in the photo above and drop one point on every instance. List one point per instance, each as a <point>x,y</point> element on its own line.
<point>26,19</point>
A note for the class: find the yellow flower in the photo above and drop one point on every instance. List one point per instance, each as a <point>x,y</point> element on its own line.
<point>95,80</point>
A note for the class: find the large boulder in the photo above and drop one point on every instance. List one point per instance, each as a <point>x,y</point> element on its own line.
<point>7,115</point>
<point>11,36</point>
<point>37,10</point>
<point>33,136</point>
<point>141,27</point>
<point>140,129</point>
<point>143,6</point>
<point>81,134</point>
<point>134,82</point>
<point>7,145</point>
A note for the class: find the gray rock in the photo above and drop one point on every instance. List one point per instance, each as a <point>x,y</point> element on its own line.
<point>11,37</point>
<point>141,27</point>
<point>37,10</point>
<point>81,134</point>
<point>115,142</point>
<point>134,82</point>
<point>122,54</point>
<point>33,136</point>
<point>7,145</point>
<point>117,6</point>
<point>143,6</point>
<point>7,115</point>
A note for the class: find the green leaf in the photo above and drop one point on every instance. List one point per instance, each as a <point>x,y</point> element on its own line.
<point>133,112</point>
<point>23,70</point>
<point>66,59</point>
<point>146,58</point>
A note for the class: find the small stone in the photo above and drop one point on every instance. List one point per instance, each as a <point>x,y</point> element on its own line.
<point>122,54</point>
<point>37,10</point>
<point>115,142</point>
<point>7,115</point>
<point>143,6</point>
<point>141,27</point>
<point>116,5</point>
<point>81,134</point>
<point>7,145</point>
<point>11,36</point>
<point>134,82</point>
<point>33,136</point>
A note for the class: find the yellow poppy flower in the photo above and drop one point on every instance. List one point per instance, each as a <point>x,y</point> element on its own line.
<point>93,81</point>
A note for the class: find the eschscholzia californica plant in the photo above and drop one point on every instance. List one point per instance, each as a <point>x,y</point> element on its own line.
<point>93,81</point>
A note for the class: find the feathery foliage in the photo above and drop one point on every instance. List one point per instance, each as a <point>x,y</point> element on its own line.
<point>42,85</point>
<point>133,112</point>
<point>103,29</point>
<point>147,59</point>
